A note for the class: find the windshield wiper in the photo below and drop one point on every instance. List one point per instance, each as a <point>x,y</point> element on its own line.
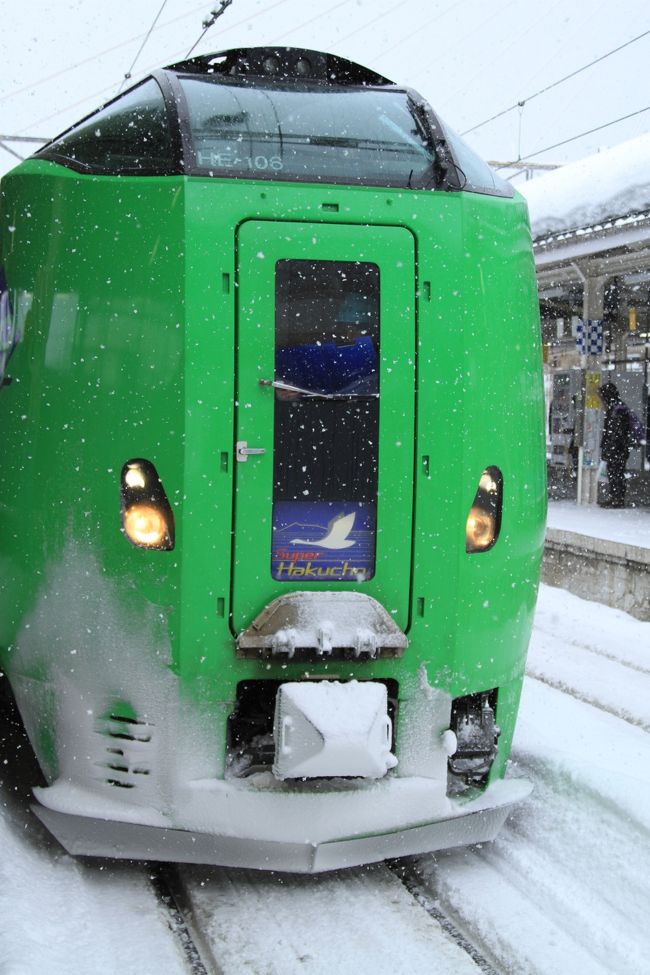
<point>278,384</point>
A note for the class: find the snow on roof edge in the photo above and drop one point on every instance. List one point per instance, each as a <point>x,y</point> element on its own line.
<point>605,186</point>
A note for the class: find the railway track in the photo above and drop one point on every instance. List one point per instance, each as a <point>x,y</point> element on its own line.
<point>613,709</point>
<point>169,890</point>
<point>620,687</point>
<point>537,901</point>
<point>453,910</point>
<point>250,923</point>
<point>563,887</point>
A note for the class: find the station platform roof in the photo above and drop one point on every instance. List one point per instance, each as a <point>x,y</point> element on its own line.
<point>611,185</point>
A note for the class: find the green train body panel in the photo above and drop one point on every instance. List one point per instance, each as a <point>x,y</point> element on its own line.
<point>146,310</point>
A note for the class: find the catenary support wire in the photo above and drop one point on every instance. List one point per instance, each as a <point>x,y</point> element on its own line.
<point>554,84</point>
<point>208,22</point>
<point>128,74</point>
<point>11,151</point>
<point>564,142</point>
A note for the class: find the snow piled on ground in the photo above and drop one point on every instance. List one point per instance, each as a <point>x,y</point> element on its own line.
<point>348,922</point>
<point>564,888</point>
<point>59,916</point>
<point>611,184</point>
<point>587,664</point>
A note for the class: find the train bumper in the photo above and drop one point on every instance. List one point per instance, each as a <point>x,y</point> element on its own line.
<point>268,847</point>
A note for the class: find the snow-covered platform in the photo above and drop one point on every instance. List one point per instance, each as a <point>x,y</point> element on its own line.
<point>600,554</point>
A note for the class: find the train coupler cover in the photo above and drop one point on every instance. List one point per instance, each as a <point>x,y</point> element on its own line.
<point>326,728</point>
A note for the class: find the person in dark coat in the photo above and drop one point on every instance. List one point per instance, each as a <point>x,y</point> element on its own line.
<point>614,443</point>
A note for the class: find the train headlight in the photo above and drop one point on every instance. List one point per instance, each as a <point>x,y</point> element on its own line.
<point>303,68</point>
<point>479,530</point>
<point>147,517</point>
<point>484,518</point>
<point>145,526</point>
<point>134,476</point>
<point>271,64</point>
<point>488,482</point>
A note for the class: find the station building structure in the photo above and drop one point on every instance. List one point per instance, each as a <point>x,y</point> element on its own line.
<point>590,222</point>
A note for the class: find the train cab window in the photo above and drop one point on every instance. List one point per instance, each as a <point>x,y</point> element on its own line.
<point>326,421</point>
<point>309,131</point>
<point>131,136</point>
<point>476,175</point>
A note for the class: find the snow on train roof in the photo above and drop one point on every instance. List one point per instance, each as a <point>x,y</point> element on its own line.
<point>609,185</point>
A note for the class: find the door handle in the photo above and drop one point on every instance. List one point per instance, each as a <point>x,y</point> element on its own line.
<point>243,451</point>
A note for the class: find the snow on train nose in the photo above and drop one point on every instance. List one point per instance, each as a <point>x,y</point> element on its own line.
<point>326,728</point>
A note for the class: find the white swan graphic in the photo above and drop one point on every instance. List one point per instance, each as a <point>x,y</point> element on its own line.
<point>337,535</point>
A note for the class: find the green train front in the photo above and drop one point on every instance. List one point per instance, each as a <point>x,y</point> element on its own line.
<point>272,482</point>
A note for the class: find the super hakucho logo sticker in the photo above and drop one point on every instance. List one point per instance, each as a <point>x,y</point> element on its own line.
<point>322,541</point>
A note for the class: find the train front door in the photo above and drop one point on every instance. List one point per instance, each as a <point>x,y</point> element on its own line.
<point>325,413</point>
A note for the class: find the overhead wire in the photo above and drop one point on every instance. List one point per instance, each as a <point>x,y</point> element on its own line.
<point>437,17</point>
<point>94,57</point>
<point>177,54</point>
<point>108,88</point>
<point>564,142</point>
<point>507,44</point>
<point>127,76</point>
<point>560,81</point>
<point>418,30</point>
<point>11,151</point>
<point>325,13</point>
<point>208,22</point>
<point>18,138</point>
<point>225,3</point>
<point>23,138</point>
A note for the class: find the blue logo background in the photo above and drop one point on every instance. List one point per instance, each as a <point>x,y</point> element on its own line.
<point>299,527</point>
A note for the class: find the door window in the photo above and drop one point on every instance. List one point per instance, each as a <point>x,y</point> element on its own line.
<point>326,420</point>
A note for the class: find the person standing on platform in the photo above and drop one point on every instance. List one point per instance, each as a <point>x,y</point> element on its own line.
<point>615,443</point>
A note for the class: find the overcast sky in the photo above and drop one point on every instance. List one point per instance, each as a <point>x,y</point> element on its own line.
<point>471,59</point>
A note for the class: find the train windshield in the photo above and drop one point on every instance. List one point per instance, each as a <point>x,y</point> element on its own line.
<point>129,136</point>
<point>311,132</point>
